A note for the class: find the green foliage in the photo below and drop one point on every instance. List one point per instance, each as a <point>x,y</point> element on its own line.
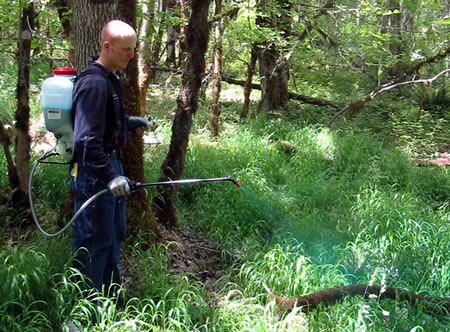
<point>7,90</point>
<point>342,206</point>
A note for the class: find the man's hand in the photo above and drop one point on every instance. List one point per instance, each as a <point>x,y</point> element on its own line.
<point>119,186</point>
<point>137,121</point>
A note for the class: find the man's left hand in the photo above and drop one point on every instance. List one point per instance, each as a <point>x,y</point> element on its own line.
<point>137,121</point>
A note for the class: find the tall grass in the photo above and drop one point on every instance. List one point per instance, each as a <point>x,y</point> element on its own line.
<point>342,208</point>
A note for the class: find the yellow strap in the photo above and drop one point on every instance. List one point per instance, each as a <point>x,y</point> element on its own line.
<point>75,171</point>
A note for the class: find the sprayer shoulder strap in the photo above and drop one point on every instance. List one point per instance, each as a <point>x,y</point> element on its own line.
<point>112,91</point>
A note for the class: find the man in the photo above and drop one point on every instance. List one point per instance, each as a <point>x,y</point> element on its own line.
<point>100,129</point>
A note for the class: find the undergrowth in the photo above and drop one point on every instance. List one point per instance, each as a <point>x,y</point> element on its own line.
<point>342,205</point>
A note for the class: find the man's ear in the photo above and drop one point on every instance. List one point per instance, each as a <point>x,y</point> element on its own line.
<point>106,44</point>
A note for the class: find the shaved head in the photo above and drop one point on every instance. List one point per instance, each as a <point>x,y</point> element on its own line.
<point>114,30</point>
<point>118,43</point>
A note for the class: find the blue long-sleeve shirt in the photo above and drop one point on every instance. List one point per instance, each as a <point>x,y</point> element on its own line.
<point>95,121</point>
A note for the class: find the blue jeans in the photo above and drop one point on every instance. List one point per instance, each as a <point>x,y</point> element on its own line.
<point>99,230</point>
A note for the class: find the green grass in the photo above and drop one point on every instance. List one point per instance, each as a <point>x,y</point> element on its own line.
<point>345,207</point>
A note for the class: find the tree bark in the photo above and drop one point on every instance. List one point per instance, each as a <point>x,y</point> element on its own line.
<point>89,17</point>
<point>197,35</point>
<point>217,74</point>
<point>22,117</point>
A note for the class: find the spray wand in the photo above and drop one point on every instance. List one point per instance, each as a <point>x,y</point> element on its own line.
<point>136,185</point>
<point>133,186</point>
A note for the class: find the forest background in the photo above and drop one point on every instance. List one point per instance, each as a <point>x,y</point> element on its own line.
<point>333,115</point>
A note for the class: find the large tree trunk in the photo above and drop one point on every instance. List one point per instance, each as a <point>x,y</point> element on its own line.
<point>139,213</point>
<point>217,73</point>
<point>89,17</point>
<point>274,77</point>
<point>22,117</point>
<point>197,41</point>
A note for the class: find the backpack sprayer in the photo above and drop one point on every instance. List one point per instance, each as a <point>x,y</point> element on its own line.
<point>57,108</point>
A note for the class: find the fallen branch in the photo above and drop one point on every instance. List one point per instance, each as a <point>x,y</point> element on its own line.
<point>355,107</point>
<point>431,305</point>
<point>305,99</point>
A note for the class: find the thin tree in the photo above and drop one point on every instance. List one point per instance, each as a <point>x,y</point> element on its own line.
<point>197,35</point>
<point>22,117</point>
<point>172,35</point>
<point>217,73</point>
<point>145,72</point>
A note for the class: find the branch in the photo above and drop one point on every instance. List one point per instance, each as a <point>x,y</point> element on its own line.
<point>167,69</point>
<point>356,106</point>
<point>431,305</point>
<point>389,86</point>
<point>231,13</point>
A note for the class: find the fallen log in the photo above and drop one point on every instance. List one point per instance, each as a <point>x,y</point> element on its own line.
<point>294,96</point>
<point>431,305</point>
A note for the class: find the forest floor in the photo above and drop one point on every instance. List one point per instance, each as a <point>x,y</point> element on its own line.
<point>189,254</point>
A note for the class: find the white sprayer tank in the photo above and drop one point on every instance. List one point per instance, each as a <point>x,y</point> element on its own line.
<point>57,106</point>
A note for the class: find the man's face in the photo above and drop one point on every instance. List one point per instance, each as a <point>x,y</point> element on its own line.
<point>121,51</point>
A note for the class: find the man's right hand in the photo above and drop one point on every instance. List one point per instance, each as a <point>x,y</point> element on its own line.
<point>119,186</point>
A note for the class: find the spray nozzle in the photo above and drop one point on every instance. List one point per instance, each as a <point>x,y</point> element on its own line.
<point>237,183</point>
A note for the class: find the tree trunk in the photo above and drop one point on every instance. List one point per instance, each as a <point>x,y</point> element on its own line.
<point>172,168</point>
<point>22,117</point>
<point>157,40</point>
<point>5,141</point>
<point>139,213</point>
<point>274,77</point>
<point>217,73</point>
<point>145,73</point>
<point>89,17</point>
<point>172,36</point>
<point>248,83</point>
